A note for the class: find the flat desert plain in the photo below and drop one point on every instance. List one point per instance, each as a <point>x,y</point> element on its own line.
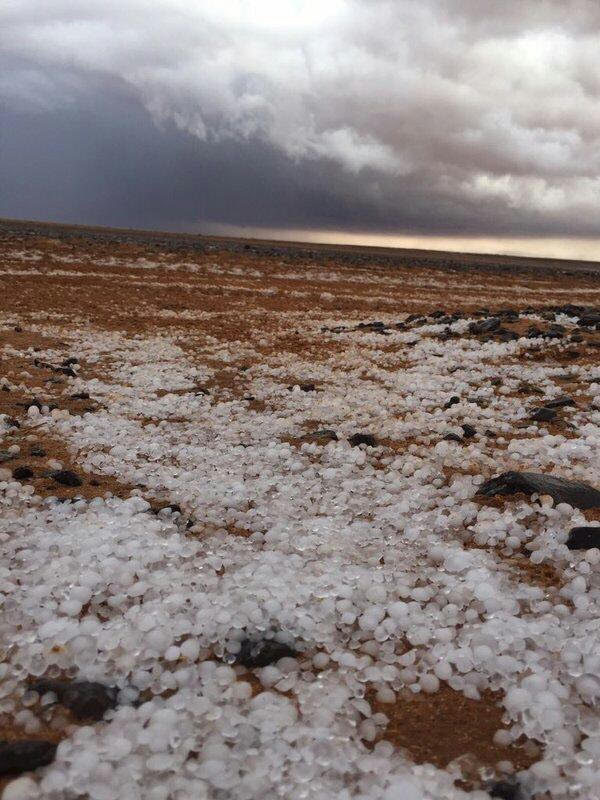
<point>252,544</point>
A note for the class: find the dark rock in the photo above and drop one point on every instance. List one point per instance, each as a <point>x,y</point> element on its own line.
<point>589,320</point>
<point>504,790</point>
<point>38,452</point>
<point>437,314</point>
<point>80,396</point>
<point>362,438</point>
<point>66,371</point>
<point>496,381</point>
<point>452,402</point>
<point>508,314</point>
<point>504,335</point>
<point>12,422</point>
<point>484,326</point>
<point>24,756</point>
<point>324,434</point>
<point>468,430</point>
<point>305,387</point>
<point>68,361</point>
<point>543,414</point>
<point>575,493</point>
<point>453,437</point>
<point>85,699</point>
<point>18,329</point>
<point>576,337</point>
<point>529,388</point>
<point>66,478</point>
<point>262,653</point>
<point>22,473</point>
<point>5,388</point>
<point>561,401</point>
<point>584,537</point>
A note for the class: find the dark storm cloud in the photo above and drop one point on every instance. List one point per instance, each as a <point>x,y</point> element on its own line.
<point>437,116</point>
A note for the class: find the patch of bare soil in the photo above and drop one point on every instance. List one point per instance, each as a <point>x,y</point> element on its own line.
<point>442,727</point>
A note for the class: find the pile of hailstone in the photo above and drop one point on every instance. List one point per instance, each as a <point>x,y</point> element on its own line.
<point>347,551</point>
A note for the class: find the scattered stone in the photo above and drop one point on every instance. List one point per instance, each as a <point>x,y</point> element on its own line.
<point>589,320</point>
<point>66,478</point>
<point>80,396</point>
<point>584,537</point>
<point>543,414</point>
<point>575,493</point>
<point>6,456</point>
<point>468,430</point>
<point>504,790</point>
<point>304,387</point>
<point>325,434</point>
<point>560,402</point>
<point>529,388</point>
<point>85,699</point>
<point>362,438</point>
<point>504,335</point>
<point>484,326</point>
<point>24,756</point>
<point>22,473</point>
<point>12,422</point>
<point>452,402</point>
<point>38,452</point>
<point>68,361</point>
<point>453,437</point>
<point>262,653</point>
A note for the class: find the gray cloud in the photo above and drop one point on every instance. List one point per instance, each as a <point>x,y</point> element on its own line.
<point>436,116</point>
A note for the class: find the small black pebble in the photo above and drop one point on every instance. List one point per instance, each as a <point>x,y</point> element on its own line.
<point>18,329</point>
<point>362,438</point>
<point>80,396</point>
<point>452,402</point>
<point>469,431</point>
<point>66,478</point>
<point>504,790</point>
<point>86,699</point>
<point>68,361</point>
<point>22,473</point>
<point>38,452</point>
<point>543,414</point>
<point>26,755</point>
<point>560,402</point>
<point>261,654</point>
<point>323,433</point>
<point>453,437</point>
<point>12,422</point>
<point>584,537</point>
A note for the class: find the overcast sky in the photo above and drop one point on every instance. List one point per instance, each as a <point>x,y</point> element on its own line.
<point>433,120</point>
